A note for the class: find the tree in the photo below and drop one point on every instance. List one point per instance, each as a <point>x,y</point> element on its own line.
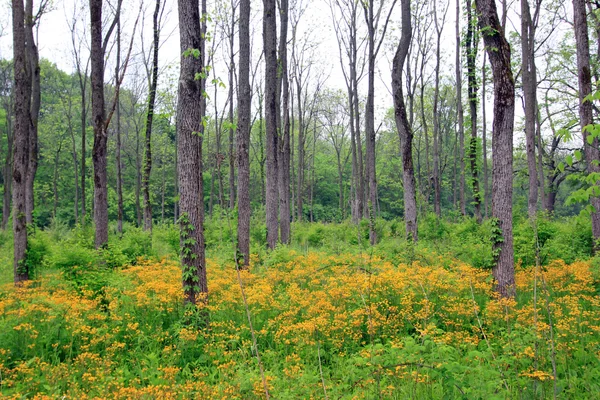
<point>459,110</point>
<point>22,130</point>
<point>372,18</point>
<point>498,51</point>
<point>150,118</point>
<point>283,158</point>
<point>98,50</point>
<point>33,60</point>
<point>191,109</point>
<point>472,40</point>
<point>243,134</point>
<point>404,129</point>
<point>529,83</point>
<point>590,143</point>
<point>270,51</point>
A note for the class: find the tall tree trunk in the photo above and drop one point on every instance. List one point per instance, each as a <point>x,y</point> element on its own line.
<point>231,122</point>
<point>498,51</point>
<point>22,129</point>
<point>459,111</point>
<point>486,189</point>
<point>34,70</point>
<point>118,146</point>
<point>270,51</point>
<point>82,88</point>
<point>592,154</point>
<point>283,157</point>
<point>529,80</point>
<point>75,162</point>
<point>100,133</point>
<point>55,180</point>
<point>190,112</point>
<point>243,134</point>
<point>404,130</point>
<point>472,42</point>
<point>370,122</point>
<point>8,162</point>
<point>437,179</point>
<point>149,120</point>
<point>301,146</point>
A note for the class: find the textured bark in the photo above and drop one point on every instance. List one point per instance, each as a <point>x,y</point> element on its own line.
<point>149,120</point>
<point>118,132</point>
<point>22,129</point>
<point>459,111</point>
<point>403,126</point>
<point>472,43</point>
<point>283,157</point>
<point>33,60</point>
<point>190,112</point>
<point>437,174</point>
<point>592,154</point>
<point>370,134</point>
<point>8,160</point>
<point>486,189</point>
<point>270,51</point>
<point>243,135</point>
<point>98,119</point>
<point>529,83</point>
<point>231,121</point>
<point>498,51</point>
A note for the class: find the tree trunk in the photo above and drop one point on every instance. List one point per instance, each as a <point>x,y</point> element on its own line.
<point>592,154</point>
<point>459,111</point>
<point>22,129</point>
<point>371,176</point>
<point>8,162</point>
<point>231,122</point>
<point>75,162</point>
<point>149,120</point>
<point>529,80</point>
<point>243,135</point>
<point>118,145</point>
<point>270,51</point>
<point>486,189</point>
<point>404,130</point>
<point>283,157</point>
<point>472,42</point>
<point>498,51</point>
<point>34,70</point>
<point>437,179</point>
<point>190,113</point>
<point>100,133</point>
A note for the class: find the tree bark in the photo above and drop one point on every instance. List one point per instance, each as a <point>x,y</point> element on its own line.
<point>34,69</point>
<point>283,157</point>
<point>118,144</point>
<point>22,129</point>
<point>472,42</point>
<point>231,122</point>
<point>498,51</point>
<point>592,154</point>
<point>98,119</point>
<point>404,130</point>
<point>149,120</point>
<point>529,83</point>
<point>486,189</point>
<point>437,179</point>
<point>270,51</point>
<point>243,135</point>
<point>190,113</point>
<point>8,161</point>
<point>370,122</point>
<point>460,114</point>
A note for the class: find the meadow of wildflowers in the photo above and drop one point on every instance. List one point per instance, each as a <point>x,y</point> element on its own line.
<point>350,326</point>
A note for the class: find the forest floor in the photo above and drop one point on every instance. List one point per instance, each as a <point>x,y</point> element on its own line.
<point>356,324</point>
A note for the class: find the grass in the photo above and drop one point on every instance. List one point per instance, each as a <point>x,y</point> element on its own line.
<point>331,321</point>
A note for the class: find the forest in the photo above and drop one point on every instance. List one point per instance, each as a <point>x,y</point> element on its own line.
<point>294,199</point>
